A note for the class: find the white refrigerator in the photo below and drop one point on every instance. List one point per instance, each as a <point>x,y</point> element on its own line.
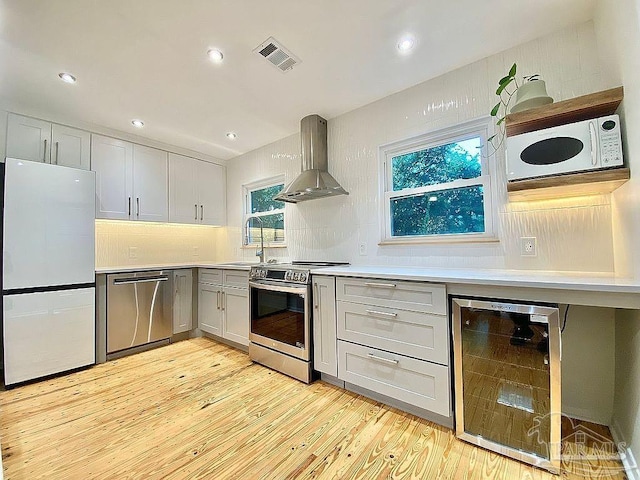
<point>48,269</point>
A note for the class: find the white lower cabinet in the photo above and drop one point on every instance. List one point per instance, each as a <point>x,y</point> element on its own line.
<point>393,339</point>
<point>236,315</point>
<point>325,355</point>
<point>223,303</point>
<point>415,334</point>
<point>209,312</point>
<point>423,384</point>
<point>182,300</point>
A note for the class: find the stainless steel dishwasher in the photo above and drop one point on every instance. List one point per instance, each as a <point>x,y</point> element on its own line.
<point>139,311</point>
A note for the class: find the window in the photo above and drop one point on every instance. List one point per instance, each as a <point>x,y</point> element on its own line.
<point>260,207</point>
<point>437,187</point>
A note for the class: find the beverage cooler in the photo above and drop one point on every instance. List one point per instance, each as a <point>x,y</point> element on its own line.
<point>507,378</point>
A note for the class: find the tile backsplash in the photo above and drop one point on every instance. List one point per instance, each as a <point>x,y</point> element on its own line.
<point>572,234</point>
<point>125,243</point>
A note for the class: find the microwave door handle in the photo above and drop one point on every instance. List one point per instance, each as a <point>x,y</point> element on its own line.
<point>594,144</point>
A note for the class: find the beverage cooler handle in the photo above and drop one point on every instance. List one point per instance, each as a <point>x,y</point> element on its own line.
<point>594,143</point>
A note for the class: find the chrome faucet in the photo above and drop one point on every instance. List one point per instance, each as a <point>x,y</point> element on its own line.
<point>259,253</point>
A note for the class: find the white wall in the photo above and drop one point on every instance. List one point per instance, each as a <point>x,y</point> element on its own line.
<point>588,364</point>
<point>573,235</point>
<point>618,31</point>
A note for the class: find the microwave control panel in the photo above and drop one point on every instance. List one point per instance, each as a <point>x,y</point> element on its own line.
<point>610,141</point>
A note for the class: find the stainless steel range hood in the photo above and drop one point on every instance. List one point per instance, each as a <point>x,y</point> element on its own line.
<point>314,181</point>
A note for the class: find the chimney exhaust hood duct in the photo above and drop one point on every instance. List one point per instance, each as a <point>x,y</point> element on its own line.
<point>314,181</point>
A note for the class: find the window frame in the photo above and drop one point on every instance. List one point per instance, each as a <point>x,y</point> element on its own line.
<point>247,189</point>
<point>482,128</point>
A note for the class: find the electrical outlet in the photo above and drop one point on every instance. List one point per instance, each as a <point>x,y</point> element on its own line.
<point>362,248</point>
<point>133,252</point>
<point>528,246</point>
<point>196,252</point>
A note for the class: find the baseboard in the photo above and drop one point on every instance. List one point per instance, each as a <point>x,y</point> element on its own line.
<point>627,458</point>
<point>581,414</point>
<point>332,380</point>
<point>231,343</point>
<point>400,405</point>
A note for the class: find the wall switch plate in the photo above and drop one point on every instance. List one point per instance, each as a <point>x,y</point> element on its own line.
<point>528,246</point>
<point>133,252</point>
<point>362,248</point>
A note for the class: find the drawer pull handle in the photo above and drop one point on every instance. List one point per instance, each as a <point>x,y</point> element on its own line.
<point>380,285</point>
<point>382,314</point>
<point>381,359</point>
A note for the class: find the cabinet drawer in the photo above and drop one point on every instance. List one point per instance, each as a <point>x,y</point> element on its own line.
<point>415,296</point>
<point>236,278</point>
<point>210,275</point>
<point>419,335</point>
<point>419,383</point>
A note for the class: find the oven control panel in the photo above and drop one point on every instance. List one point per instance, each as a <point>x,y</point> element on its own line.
<point>297,276</point>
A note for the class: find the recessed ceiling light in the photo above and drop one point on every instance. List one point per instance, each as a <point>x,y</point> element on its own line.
<point>231,136</point>
<point>406,43</point>
<point>67,77</point>
<point>137,123</point>
<point>215,55</point>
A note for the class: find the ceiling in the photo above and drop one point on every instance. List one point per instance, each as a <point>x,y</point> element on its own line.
<point>147,59</point>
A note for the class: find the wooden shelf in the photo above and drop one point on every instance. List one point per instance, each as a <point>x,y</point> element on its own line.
<point>564,186</point>
<point>576,109</point>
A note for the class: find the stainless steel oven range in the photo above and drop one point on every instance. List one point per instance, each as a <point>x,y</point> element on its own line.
<point>280,312</point>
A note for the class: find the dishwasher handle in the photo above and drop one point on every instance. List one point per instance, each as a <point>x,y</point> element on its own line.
<point>155,278</point>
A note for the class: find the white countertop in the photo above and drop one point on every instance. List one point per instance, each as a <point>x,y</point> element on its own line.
<point>172,266</point>
<point>595,282</point>
<point>583,281</point>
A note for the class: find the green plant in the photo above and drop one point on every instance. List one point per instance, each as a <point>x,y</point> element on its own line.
<point>507,87</point>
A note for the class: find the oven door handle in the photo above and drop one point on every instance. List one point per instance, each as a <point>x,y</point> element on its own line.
<point>278,288</point>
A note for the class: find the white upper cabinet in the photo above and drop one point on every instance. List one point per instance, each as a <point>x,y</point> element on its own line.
<point>150,185</point>
<point>40,141</point>
<point>112,160</point>
<point>70,147</point>
<point>183,192</point>
<point>197,192</point>
<point>28,138</point>
<point>212,193</point>
<point>131,180</point>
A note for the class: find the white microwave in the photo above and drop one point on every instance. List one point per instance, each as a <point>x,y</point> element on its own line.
<point>576,147</point>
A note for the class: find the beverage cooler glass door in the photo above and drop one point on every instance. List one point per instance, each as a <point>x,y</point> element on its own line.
<point>507,369</point>
<point>280,318</point>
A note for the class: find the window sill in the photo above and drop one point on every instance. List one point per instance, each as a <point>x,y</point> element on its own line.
<point>266,245</point>
<point>439,240</point>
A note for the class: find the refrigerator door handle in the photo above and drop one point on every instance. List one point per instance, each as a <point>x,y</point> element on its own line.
<point>138,207</point>
<point>129,206</point>
<point>44,153</point>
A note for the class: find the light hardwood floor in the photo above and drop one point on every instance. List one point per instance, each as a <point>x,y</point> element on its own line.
<point>199,409</point>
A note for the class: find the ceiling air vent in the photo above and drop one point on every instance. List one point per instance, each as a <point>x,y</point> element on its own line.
<point>278,56</point>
